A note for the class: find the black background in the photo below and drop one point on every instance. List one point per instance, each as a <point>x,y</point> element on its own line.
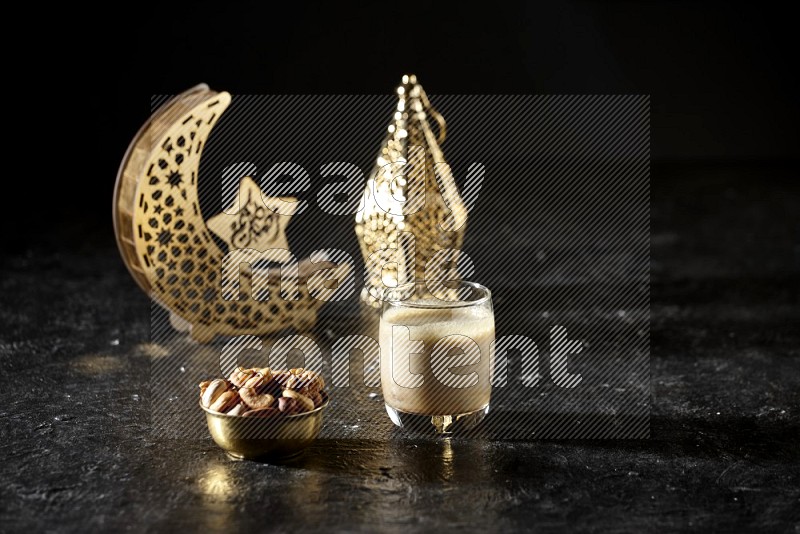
<point>719,73</point>
<point>78,453</point>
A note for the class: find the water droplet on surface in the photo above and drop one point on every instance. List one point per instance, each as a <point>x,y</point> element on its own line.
<point>183,369</point>
<point>135,397</point>
<point>114,342</point>
<point>372,395</point>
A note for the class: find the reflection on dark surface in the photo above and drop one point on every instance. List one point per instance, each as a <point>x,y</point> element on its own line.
<point>612,401</point>
<point>392,476</point>
<point>82,452</point>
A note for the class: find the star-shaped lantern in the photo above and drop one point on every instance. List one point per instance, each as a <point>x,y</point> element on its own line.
<point>253,221</point>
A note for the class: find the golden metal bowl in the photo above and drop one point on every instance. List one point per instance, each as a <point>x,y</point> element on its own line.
<point>278,437</point>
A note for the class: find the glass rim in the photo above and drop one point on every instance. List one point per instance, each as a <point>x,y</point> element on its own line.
<point>439,303</point>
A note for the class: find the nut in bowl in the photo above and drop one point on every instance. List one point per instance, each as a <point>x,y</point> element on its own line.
<point>264,413</point>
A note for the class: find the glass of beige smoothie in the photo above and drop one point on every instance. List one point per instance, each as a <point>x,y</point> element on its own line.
<point>436,359</point>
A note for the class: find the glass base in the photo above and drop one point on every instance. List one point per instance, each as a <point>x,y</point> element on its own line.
<point>442,424</point>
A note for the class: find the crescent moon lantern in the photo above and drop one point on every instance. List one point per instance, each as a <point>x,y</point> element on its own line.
<point>164,240</point>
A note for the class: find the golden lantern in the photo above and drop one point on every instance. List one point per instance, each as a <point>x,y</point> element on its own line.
<point>408,199</point>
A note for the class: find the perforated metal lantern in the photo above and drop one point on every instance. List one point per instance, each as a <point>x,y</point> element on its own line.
<point>409,197</point>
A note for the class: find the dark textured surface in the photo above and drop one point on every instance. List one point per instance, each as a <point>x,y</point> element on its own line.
<point>725,368</point>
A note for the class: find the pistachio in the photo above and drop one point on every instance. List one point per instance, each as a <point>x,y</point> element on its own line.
<point>289,406</point>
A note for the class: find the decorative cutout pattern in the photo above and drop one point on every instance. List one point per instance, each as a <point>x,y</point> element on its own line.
<point>158,216</point>
<point>403,195</point>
